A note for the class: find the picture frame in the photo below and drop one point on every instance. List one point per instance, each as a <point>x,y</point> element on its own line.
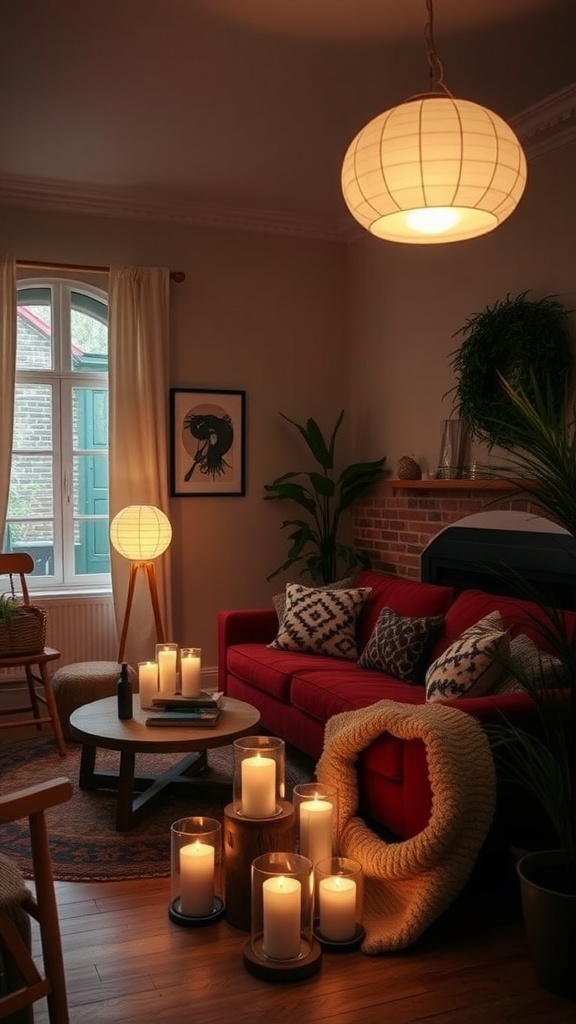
<point>207,443</point>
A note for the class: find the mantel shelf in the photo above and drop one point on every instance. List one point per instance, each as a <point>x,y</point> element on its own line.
<point>478,484</point>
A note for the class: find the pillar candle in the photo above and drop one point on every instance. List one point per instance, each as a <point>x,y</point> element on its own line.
<point>197,879</point>
<point>316,829</point>
<point>147,682</point>
<point>258,786</point>
<point>337,895</point>
<point>281,911</point>
<point>189,674</point>
<point>167,669</point>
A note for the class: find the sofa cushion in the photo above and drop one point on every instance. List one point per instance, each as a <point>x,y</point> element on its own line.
<point>320,621</point>
<point>325,693</point>
<point>518,616</point>
<point>407,597</point>
<point>271,671</point>
<point>398,644</point>
<point>472,665</point>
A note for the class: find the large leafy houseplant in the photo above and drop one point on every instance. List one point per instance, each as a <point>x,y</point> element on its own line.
<point>518,339</point>
<point>541,446</point>
<point>542,454</point>
<point>323,496</point>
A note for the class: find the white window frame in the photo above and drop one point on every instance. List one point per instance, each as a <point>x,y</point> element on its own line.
<point>63,379</point>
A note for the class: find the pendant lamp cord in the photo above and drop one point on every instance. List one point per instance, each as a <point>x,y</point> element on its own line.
<point>434,63</point>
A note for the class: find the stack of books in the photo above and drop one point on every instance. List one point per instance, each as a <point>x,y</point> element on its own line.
<point>202,711</point>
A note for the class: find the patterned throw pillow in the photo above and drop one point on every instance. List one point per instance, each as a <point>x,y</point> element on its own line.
<point>279,600</point>
<point>528,665</point>
<point>472,665</point>
<point>320,621</point>
<point>398,644</point>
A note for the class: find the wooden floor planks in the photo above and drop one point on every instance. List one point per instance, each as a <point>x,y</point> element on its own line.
<point>126,963</point>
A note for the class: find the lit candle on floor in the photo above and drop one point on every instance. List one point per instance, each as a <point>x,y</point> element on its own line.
<point>316,829</point>
<point>167,669</point>
<point>197,879</point>
<point>189,673</point>
<point>281,910</point>
<point>147,682</point>
<point>337,908</point>
<point>258,780</point>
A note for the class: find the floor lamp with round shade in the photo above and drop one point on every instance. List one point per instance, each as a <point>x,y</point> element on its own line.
<point>140,533</point>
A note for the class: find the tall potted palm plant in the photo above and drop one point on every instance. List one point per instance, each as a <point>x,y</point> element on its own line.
<point>542,452</point>
<point>324,497</point>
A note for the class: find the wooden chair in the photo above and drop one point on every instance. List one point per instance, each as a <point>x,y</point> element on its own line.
<point>32,985</point>
<point>35,666</point>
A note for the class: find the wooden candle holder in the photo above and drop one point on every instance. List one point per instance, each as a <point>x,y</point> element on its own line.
<point>244,840</point>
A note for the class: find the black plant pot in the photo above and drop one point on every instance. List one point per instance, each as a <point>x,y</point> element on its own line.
<point>549,907</point>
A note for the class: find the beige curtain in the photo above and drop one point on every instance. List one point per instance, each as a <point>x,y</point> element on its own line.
<point>7,376</point>
<point>138,446</point>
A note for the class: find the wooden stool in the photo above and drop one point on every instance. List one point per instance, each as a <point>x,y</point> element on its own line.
<point>83,682</point>
<point>244,840</point>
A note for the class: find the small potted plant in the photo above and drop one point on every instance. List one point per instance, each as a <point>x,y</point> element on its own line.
<point>324,497</point>
<point>8,609</point>
<point>8,605</point>
<point>22,627</point>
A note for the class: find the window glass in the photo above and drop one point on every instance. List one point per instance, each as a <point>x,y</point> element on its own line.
<point>58,501</point>
<point>34,330</point>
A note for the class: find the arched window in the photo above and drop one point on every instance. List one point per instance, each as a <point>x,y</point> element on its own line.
<point>58,503</point>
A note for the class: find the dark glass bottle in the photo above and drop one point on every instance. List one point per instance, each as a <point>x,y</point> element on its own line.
<point>124,690</point>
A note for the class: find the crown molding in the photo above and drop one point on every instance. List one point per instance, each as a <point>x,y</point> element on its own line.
<point>542,128</point>
<point>110,202</point>
<point>549,124</point>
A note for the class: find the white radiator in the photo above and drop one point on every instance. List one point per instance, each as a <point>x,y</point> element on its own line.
<point>83,628</point>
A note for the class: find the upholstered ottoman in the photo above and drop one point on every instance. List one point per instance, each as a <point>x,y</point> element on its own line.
<point>83,682</point>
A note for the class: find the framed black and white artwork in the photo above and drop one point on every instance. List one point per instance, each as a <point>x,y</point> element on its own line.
<point>207,442</point>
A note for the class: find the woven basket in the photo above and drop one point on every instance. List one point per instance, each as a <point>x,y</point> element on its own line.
<point>25,634</point>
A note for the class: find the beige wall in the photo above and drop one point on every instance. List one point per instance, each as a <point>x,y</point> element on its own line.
<point>268,314</point>
<point>406,303</point>
<point>256,312</point>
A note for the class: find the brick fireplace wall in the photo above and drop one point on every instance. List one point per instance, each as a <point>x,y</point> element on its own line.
<point>397,521</point>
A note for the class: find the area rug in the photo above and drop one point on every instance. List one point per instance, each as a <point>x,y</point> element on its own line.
<point>84,844</point>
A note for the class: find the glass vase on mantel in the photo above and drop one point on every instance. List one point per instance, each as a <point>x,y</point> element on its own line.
<point>454,450</point>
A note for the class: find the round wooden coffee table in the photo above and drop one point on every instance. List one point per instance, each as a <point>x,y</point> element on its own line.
<point>97,725</point>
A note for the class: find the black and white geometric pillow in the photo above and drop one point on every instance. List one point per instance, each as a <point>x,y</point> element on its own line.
<point>470,667</point>
<point>398,643</point>
<point>279,600</point>
<point>319,621</point>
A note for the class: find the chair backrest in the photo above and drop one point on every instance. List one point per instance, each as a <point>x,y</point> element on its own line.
<point>17,565</point>
<point>46,980</point>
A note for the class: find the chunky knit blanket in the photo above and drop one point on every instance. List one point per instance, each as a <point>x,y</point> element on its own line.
<point>408,884</point>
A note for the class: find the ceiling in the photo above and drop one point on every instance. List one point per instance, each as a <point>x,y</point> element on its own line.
<point>242,107</point>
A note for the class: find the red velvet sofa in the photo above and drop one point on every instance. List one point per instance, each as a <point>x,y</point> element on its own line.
<point>297,693</point>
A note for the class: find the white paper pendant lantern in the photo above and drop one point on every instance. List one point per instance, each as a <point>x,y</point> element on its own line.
<point>435,168</point>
